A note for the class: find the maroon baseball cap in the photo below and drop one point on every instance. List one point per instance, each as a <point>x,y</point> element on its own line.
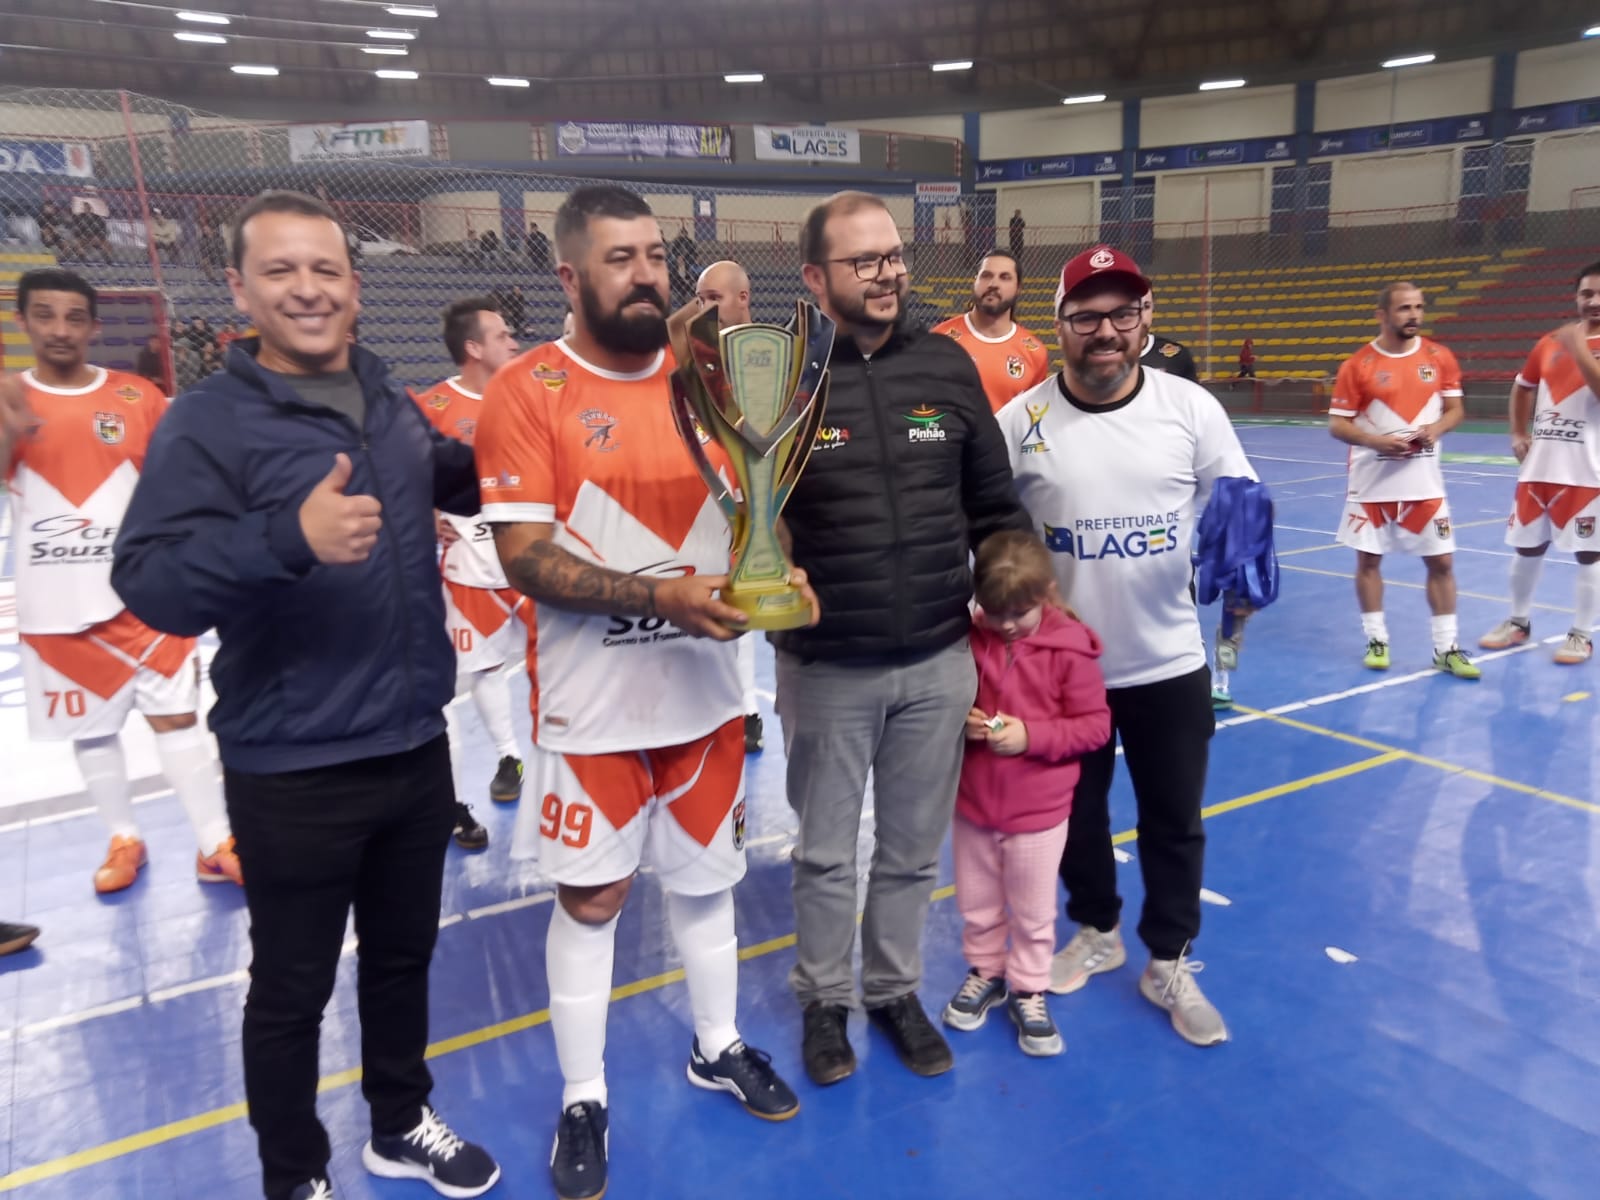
<point>1096,263</point>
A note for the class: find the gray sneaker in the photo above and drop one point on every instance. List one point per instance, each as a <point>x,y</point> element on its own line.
<point>1090,952</point>
<point>1169,983</point>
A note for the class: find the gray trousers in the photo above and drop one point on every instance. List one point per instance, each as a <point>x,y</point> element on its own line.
<point>905,722</point>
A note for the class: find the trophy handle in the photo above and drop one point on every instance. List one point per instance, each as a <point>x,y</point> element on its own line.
<point>800,449</point>
<point>685,417</point>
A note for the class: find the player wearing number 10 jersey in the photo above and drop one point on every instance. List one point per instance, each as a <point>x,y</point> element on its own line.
<point>480,610</point>
<point>87,662</point>
<point>601,518</point>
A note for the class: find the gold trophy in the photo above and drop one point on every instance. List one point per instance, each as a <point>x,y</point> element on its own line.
<point>759,392</point>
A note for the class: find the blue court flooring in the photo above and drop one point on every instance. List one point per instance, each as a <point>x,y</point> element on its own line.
<point>1401,929</point>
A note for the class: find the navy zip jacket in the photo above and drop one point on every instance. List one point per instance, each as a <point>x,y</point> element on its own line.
<point>319,664</point>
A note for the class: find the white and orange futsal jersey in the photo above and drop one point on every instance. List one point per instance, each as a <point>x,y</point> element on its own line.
<point>1558,486</point>
<point>86,661</point>
<point>1007,366</point>
<point>1396,502</point>
<point>478,603</point>
<point>639,728</point>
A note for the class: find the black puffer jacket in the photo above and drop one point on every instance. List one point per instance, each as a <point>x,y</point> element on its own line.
<point>908,474</point>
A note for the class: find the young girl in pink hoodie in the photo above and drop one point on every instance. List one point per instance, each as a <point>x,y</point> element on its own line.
<point>1041,704</point>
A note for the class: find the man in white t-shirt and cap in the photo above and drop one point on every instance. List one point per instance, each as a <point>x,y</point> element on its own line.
<point>1115,464</point>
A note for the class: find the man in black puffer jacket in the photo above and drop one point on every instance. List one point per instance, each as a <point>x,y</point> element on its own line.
<point>908,475</point>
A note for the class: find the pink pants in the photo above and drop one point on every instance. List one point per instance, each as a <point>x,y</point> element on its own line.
<point>997,872</point>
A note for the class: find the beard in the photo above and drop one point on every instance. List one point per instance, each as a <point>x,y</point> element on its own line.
<point>622,334</point>
<point>1104,377</point>
<point>990,304</point>
<point>851,307</point>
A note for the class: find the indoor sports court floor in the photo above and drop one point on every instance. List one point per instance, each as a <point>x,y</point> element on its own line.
<point>1401,930</point>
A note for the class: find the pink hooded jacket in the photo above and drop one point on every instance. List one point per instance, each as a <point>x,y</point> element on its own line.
<point>1051,681</point>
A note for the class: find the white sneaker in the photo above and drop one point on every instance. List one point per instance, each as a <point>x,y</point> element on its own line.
<point>1169,983</point>
<point>1510,632</point>
<point>1576,649</point>
<point>1090,952</point>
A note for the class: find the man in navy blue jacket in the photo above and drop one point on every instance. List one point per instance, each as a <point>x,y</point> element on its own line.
<point>287,502</point>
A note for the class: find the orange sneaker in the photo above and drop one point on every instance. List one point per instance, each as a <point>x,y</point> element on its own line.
<point>122,865</point>
<point>221,867</point>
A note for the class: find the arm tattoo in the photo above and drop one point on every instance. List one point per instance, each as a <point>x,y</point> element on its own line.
<point>553,576</point>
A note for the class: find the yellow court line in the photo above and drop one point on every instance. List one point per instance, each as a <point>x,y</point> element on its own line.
<point>1406,583</point>
<point>1440,764</point>
<point>162,1134</point>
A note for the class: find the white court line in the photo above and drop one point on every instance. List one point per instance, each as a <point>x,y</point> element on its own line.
<point>77,1018</point>
<point>512,905</point>
<point>198,985</point>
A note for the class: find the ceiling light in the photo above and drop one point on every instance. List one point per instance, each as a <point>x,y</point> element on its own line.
<point>411,10</point>
<point>242,69</point>
<point>1094,99</point>
<point>958,64</point>
<point>395,74</point>
<point>203,18</point>
<point>392,35</point>
<point>208,39</point>
<point>508,81</point>
<point>384,50</point>
<point>1410,60</point>
<point>1592,31</point>
<point>1220,85</point>
<point>744,77</point>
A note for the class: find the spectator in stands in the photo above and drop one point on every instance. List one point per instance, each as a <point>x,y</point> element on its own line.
<point>213,250</point>
<point>538,248</point>
<point>210,359</point>
<point>1247,359</point>
<point>514,308</point>
<point>1017,227</point>
<point>149,364</point>
<point>165,233</point>
<point>15,937</point>
<point>199,334</point>
<point>489,244</point>
<point>232,330</point>
<point>185,362</point>
<point>684,265</point>
<point>50,222</point>
<point>90,234</point>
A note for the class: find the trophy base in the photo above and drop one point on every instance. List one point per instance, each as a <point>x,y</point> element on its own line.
<point>781,608</point>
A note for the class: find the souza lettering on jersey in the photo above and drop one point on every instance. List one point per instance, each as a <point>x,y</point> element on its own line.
<point>1138,536</point>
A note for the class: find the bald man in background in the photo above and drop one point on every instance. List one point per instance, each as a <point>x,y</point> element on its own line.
<point>724,286</point>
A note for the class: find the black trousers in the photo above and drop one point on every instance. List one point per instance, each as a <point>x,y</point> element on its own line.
<point>370,834</point>
<point>1166,730</point>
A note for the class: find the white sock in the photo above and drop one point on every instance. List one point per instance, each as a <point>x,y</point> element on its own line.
<point>745,656</point>
<point>491,692</point>
<point>577,963</point>
<point>1373,626</point>
<point>1445,632</point>
<point>187,762</point>
<point>1525,571</point>
<point>1586,596</point>
<point>702,926</point>
<point>105,778</point>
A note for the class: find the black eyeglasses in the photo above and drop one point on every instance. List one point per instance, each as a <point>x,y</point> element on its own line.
<point>1086,321</point>
<point>870,266</point>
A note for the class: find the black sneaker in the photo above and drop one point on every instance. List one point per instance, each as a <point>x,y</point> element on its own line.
<point>748,1074</point>
<point>753,739</point>
<point>16,937</point>
<point>919,1045</point>
<point>970,1006</point>
<point>313,1189</point>
<point>578,1159</point>
<point>434,1154</point>
<point>470,833</point>
<point>825,1046</point>
<point>506,786</point>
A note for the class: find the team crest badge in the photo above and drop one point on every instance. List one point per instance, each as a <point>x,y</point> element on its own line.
<point>1427,374</point>
<point>738,826</point>
<point>600,424</point>
<point>109,427</point>
<point>953,334</point>
<point>1014,367</point>
<point>130,393</point>
<point>1170,350</point>
<point>1584,527</point>
<point>1029,344</point>
<point>1441,526</point>
<point>1101,259</point>
<point>466,430</point>
<point>439,403</point>
<point>551,378</point>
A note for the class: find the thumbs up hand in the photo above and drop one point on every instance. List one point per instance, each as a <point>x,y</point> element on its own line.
<point>339,528</point>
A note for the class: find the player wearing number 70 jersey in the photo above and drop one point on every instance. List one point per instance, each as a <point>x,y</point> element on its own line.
<point>480,610</point>
<point>601,518</point>
<point>72,442</point>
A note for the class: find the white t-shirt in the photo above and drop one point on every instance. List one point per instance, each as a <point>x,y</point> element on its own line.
<point>1116,492</point>
<point>1388,393</point>
<point>1566,443</point>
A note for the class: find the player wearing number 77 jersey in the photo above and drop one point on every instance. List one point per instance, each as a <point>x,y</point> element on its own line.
<point>601,518</point>
<point>480,610</point>
<point>1558,487</point>
<point>1392,402</point>
<point>72,443</point>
